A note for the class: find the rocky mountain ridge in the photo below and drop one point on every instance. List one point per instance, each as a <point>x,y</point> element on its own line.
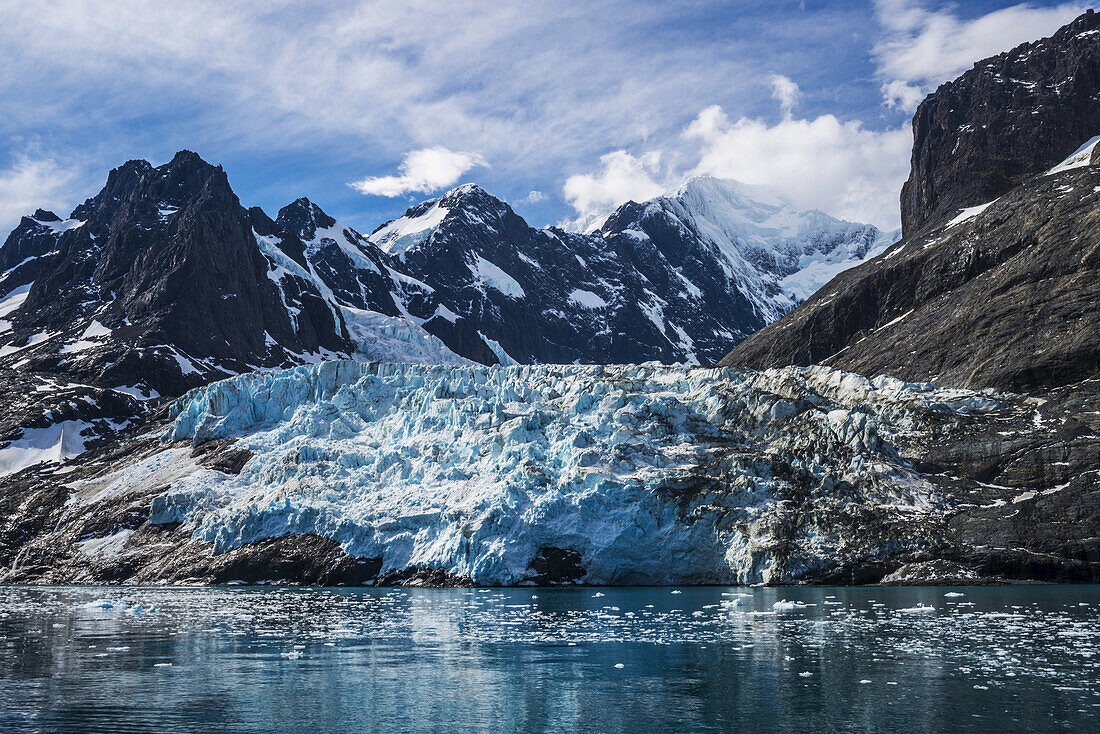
<point>1001,296</point>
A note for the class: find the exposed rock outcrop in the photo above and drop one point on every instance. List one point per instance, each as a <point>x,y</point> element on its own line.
<point>1010,117</point>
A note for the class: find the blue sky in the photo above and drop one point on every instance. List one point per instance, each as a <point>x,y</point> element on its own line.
<point>564,109</point>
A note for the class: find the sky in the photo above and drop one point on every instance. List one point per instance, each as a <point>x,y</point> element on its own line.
<point>564,109</point>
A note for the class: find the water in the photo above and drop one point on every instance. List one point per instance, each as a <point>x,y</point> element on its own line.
<point>641,660</point>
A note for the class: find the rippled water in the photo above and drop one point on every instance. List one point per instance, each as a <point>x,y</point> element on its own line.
<point>655,659</point>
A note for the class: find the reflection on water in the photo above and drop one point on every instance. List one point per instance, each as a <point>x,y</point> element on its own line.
<point>692,659</point>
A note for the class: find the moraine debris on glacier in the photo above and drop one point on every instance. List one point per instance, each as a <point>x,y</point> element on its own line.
<point>357,473</point>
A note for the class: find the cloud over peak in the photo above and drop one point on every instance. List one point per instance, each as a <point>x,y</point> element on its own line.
<point>920,48</point>
<point>422,172</point>
<point>33,182</point>
<point>823,163</point>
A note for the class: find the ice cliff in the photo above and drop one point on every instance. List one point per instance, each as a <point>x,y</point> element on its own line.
<point>591,474</point>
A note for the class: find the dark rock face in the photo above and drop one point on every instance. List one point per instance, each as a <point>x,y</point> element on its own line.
<point>1008,118</point>
<point>556,566</point>
<point>1006,299</point>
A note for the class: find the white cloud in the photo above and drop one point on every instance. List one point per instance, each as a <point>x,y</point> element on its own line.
<point>30,183</point>
<point>534,196</point>
<point>376,79</point>
<point>901,95</point>
<point>786,92</point>
<point>422,171</point>
<point>921,48</point>
<point>839,167</point>
<point>622,177</point>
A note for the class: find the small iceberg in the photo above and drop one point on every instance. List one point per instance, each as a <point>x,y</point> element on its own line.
<point>919,609</point>
<point>953,594</point>
<point>102,604</point>
<point>787,606</point>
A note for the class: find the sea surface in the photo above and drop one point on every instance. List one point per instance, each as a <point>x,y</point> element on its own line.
<point>639,660</point>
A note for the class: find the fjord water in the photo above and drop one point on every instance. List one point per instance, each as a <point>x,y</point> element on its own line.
<point>566,659</point>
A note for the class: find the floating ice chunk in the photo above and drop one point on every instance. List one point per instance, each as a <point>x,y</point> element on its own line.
<point>619,665</point>
<point>864,682</point>
<point>675,591</point>
<point>787,606</point>
<point>805,674</point>
<point>292,655</point>
<point>952,594</point>
<point>919,609</point>
<point>102,604</point>
<point>162,665</point>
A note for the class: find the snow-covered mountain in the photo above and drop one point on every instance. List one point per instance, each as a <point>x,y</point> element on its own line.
<point>680,278</point>
<point>163,281</point>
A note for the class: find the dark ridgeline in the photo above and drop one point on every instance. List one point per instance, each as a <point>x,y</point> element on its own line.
<point>181,285</point>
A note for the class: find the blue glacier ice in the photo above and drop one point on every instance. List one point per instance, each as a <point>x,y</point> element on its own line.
<point>650,474</point>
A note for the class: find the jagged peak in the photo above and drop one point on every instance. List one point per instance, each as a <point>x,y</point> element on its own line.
<point>419,222</point>
<point>730,188</point>
<point>304,218</point>
<point>190,170</point>
<point>44,215</point>
<point>188,158</point>
<point>261,222</point>
<point>471,194</point>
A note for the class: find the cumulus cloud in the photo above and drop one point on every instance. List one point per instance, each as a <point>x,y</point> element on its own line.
<point>422,171</point>
<point>30,183</point>
<point>534,197</point>
<point>839,167</point>
<point>786,92</point>
<point>922,48</point>
<point>622,177</point>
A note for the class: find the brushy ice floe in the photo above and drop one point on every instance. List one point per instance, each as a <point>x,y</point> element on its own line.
<point>651,474</point>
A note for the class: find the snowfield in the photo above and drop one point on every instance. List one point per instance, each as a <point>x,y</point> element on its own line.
<point>642,474</point>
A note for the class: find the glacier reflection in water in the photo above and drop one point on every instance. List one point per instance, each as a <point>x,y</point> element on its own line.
<point>581,659</point>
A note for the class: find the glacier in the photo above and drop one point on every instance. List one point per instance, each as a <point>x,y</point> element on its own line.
<point>636,474</point>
